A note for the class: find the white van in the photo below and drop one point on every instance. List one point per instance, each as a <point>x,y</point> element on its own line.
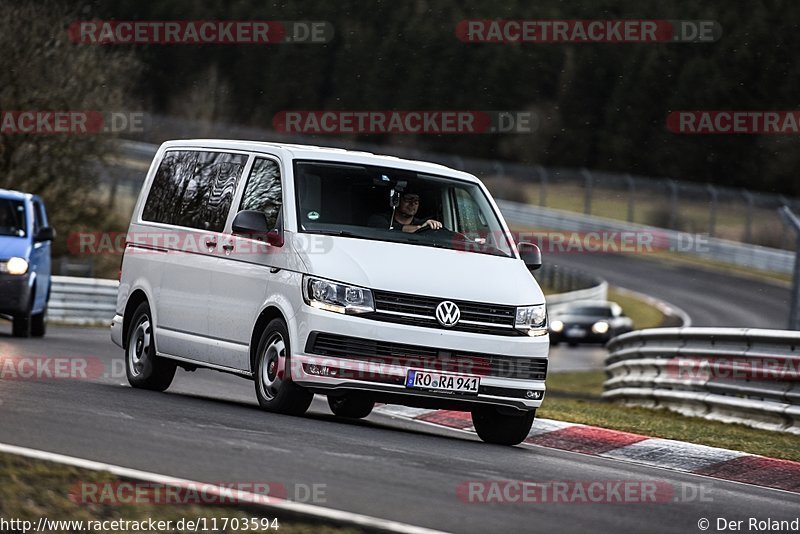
<point>314,270</point>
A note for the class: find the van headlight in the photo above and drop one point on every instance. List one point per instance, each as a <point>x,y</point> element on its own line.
<point>556,325</point>
<point>532,320</point>
<point>337,297</point>
<point>15,266</point>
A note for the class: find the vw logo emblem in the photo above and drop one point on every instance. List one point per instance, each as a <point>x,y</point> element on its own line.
<point>447,313</point>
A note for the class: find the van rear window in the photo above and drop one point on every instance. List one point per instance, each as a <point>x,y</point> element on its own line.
<point>194,189</point>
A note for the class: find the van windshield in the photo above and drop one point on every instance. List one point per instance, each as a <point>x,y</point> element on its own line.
<point>12,217</point>
<point>388,204</point>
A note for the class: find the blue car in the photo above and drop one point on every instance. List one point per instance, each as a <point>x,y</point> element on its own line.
<point>25,239</point>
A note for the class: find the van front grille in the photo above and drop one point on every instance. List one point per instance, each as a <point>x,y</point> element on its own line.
<point>416,310</point>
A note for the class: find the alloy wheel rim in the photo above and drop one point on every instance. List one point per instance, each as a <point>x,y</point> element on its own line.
<point>139,347</point>
<point>273,366</point>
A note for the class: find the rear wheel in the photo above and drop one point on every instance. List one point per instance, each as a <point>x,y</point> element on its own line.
<point>499,428</point>
<point>351,405</point>
<point>145,370</point>
<point>39,320</point>
<point>275,390</point>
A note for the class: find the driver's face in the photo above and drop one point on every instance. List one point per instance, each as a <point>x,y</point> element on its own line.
<point>409,204</point>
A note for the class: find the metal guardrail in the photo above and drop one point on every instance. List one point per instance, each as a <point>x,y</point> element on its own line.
<point>719,250</point>
<point>743,375</point>
<point>82,301</point>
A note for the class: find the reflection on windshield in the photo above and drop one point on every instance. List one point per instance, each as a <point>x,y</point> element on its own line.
<point>12,217</point>
<point>396,205</point>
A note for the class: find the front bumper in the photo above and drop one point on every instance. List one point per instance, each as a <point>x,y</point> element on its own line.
<point>385,378</point>
<point>15,294</point>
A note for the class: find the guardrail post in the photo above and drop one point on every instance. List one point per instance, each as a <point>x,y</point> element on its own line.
<point>712,216</point>
<point>542,172</point>
<point>794,317</point>
<point>748,228</point>
<point>499,170</point>
<point>673,209</point>
<point>587,199</point>
<point>631,196</point>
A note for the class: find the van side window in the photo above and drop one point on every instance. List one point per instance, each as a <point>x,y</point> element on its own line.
<point>470,218</point>
<point>263,190</point>
<point>194,189</point>
<point>38,220</point>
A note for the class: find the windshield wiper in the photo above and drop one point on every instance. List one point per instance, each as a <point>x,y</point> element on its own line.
<point>337,233</point>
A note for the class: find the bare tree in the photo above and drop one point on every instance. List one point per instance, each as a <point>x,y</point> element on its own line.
<point>41,69</point>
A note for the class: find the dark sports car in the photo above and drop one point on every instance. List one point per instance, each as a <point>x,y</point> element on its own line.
<point>588,322</point>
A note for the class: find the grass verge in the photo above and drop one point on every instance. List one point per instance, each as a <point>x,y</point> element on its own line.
<point>30,489</point>
<point>655,423</point>
<point>643,314</point>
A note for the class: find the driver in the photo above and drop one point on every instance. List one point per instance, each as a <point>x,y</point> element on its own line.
<point>404,215</point>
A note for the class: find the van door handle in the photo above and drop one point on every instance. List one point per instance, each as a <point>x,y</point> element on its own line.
<point>227,247</point>
<point>211,242</point>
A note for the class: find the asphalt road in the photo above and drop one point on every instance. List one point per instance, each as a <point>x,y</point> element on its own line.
<point>711,298</point>
<point>207,427</point>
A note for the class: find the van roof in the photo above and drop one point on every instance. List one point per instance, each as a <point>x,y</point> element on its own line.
<point>317,152</point>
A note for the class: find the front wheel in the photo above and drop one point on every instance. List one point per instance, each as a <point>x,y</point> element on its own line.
<point>21,327</point>
<point>39,324</point>
<point>275,390</point>
<point>501,429</point>
<point>145,370</point>
<point>351,405</point>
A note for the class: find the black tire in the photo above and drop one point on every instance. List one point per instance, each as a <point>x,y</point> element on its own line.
<point>275,390</point>
<point>351,405</point>
<point>39,324</point>
<point>21,327</point>
<point>501,429</point>
<point>145,370</point>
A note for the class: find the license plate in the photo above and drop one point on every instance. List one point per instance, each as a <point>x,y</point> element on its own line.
<point>576,332</point>
<point>447,382</point>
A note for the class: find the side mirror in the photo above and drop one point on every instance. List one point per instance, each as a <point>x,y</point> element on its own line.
<point>531,255</point>
<point>46,233</point>
<point>253,224</point>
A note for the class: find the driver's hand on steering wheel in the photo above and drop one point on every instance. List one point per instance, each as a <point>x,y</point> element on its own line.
<point>432,224</point>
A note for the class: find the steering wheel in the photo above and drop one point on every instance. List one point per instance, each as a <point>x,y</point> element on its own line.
<point>423,228</point>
